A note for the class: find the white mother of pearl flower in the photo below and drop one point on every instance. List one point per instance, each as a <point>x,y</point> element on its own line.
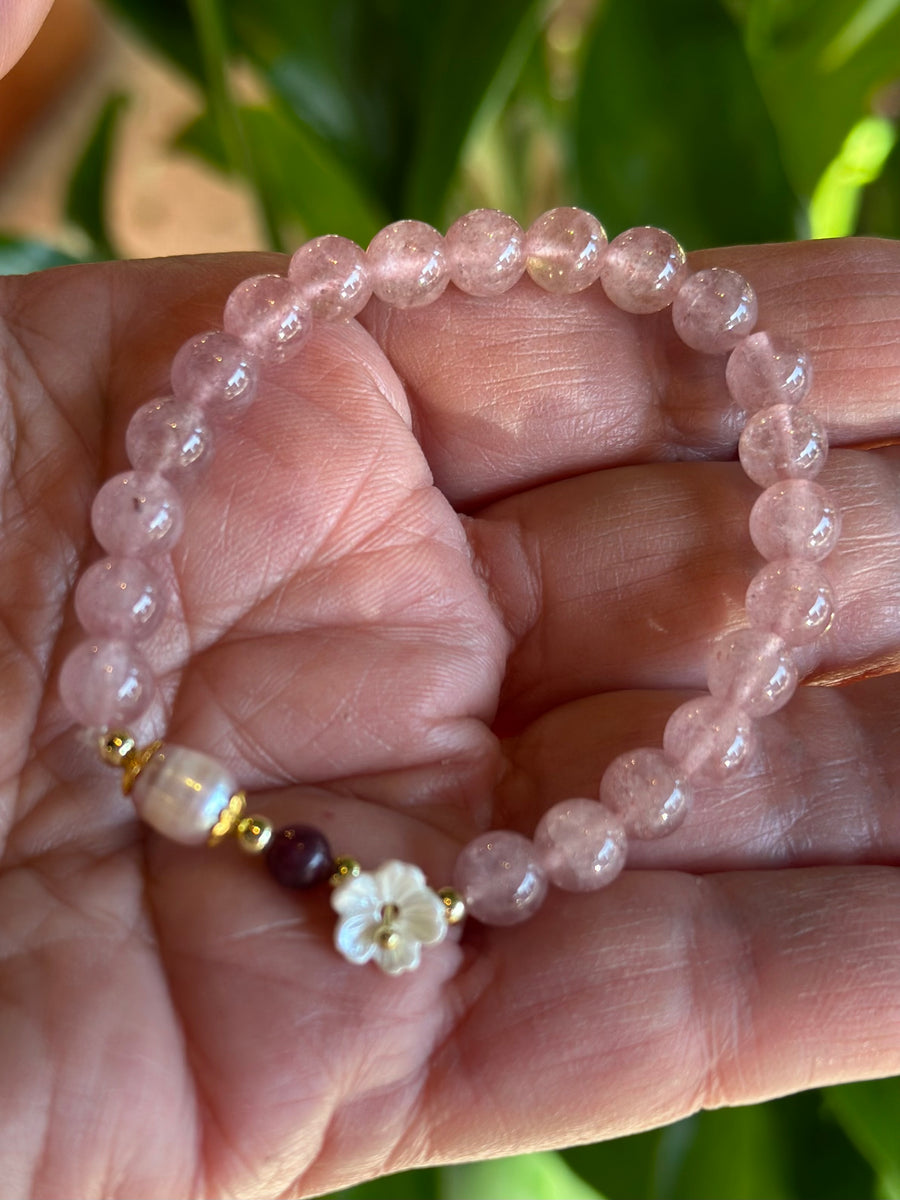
<point>388,915</point>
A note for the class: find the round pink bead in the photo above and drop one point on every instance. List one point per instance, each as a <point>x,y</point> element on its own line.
<point>791,598</point>
<point>269,316</point>
<point>486,250</point>
<point>753,670</point>
<point>795,518</point>
<point>581,845</point>
<point>137,513</point>
<point>169,437</point>
<point>331,275</point>
<point>501,878</point>
<point>648,791</point>
<point>120,598</point>
<point>643,269</point>
<point>180,793</point>
<point>714,309</point>
<point>564,250</point>
<point>708,738</point>
<point>216,372</point>
<point>408,264</point>
<point>764,370</point>
<point>106,682</point>
<point>782,442</point>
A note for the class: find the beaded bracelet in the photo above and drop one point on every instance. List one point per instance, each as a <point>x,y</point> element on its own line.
<point>386,915</point>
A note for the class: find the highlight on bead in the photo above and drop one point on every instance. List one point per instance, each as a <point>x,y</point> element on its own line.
<point>580,844</point>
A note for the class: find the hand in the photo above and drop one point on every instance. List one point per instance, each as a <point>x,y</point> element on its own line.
<point>370,661</point>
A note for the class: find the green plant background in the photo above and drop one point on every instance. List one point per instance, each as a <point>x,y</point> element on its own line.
<point>724,120</point>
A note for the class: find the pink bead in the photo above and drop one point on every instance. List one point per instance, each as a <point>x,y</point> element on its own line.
<point>709,739</point>
<point>106,682</point>
<point>268,315</point>
<point>643,269</point>
<point>581,845</point>
<point>791,598</point>
<point>120,598</point>
<point>795,518</point>
<point>782,442</point>
<point>714,309</point>
<point>408,264</point>
<point>169,437</point>
<point>180,793</point>
<point>486,251</point>
<point>501,878</point>
<point>753,670</point>
<point>137,513</point>
<point>764,370</point>
<point>332,277</point>
<point>215,372</point>
<point>648,791</point>
<point>564,249</point>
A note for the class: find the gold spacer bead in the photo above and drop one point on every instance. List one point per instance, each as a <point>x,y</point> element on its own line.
<point>344,869</point>
<point>228,819</point>
<point>454,905</point>
<point>254,833</point>
<point>117,747</point>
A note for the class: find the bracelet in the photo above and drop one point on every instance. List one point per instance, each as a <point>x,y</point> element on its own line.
<point>386,915</point>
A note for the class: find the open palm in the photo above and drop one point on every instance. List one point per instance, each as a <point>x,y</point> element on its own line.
<point>406,611</point>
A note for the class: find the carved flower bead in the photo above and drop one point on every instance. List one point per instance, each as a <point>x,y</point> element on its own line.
<point>387,916</point>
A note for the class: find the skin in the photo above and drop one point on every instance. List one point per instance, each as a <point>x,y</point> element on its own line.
<point>407,610</point>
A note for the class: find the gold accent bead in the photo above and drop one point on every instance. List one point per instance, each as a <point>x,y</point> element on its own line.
<point>344,869</point>
<point>254,833</point>
<point>454,905</point>
<point>117,747</point>
<point>229,818</point>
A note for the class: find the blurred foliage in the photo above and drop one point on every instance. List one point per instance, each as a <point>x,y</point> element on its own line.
<point>724,120</point>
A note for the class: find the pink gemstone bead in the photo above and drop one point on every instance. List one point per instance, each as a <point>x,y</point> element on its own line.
<point>216,372</point>
<point>581,845</point>
<point>763,370</point>
<point>782,442</point>
<point>169,437</point>
<point>648,791</point>
<point>795,518</point>
<point>714,309</point>
<point>486,250</point>
<point>501,878</point>
<point>643,269</point>
<point>137,513</point>
<point>753,670</point>
<point>792,598</point>
<point>120,598</point>
<point>180,793</point>
<point>709,739</point>
<point>408,264</point>
<point>106,682</point>
<point>564,249</point>
<point>269,316</point>
<point>332,277</point>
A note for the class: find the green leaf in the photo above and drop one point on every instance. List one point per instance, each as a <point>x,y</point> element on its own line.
<point>20,256</point>
<point>732,1152</point>
<point>407,1185</point>
<point>623,1168</point>
<point>166,26</point>
<point>86,197</point>
<point>820,65</point>
<point>869,1114</point>
<point>305,183</point>
<point>543,1176</point>
<point>880,202</point>
<point>493,41</point>
<point>672,129</point>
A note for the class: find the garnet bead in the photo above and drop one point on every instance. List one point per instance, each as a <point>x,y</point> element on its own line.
<point>298,856</point>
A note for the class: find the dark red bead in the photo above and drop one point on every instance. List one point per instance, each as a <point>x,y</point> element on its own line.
<point>298,856</point>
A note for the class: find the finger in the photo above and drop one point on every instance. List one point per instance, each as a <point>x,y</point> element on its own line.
<point>19,22</point>
<point>622,578</point>
<point>631,1010</point>
<point>529,387</point>
<point>821,787</point>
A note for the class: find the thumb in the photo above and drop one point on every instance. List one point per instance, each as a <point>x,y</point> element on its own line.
<point>19,22</point>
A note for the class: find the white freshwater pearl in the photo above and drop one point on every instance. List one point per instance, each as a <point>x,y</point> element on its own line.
<point>181,792</point>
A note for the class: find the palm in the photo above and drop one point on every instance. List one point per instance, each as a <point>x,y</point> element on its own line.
<point>175,1023</point>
